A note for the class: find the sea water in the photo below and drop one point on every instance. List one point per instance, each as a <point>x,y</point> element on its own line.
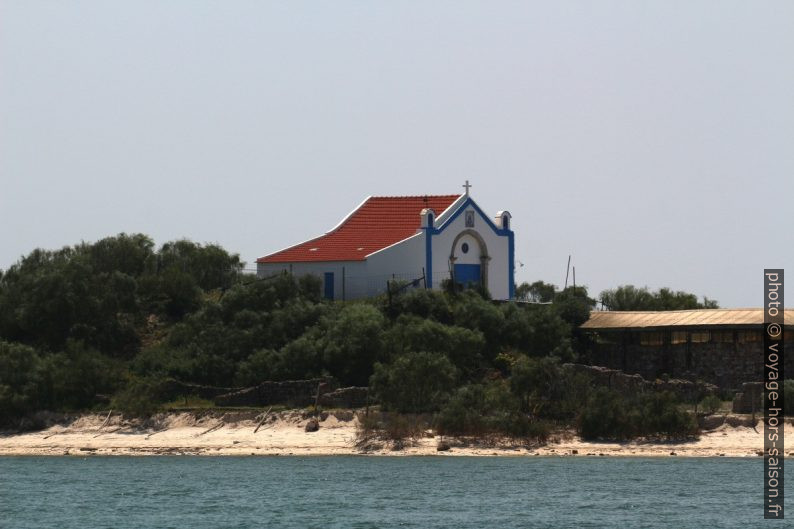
<point>380,492</point>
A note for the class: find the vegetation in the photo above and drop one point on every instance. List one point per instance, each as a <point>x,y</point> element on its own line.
<point>111,323</point>
<point>608,415</point>
<point>710,404</point>
<point>629,297</point>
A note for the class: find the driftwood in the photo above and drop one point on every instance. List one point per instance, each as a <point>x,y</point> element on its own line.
<point>209,430</point>
<point>104,423</point>
<point>107,419</point>
<point>264,418</point>
<point>109,431</point>
<point>155,432</point>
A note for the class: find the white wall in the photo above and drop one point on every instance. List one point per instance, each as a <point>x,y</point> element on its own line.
<point>339,268</point>
<point>357,279</point>
<point>473,255</point>
<point>497,247</point>
<point>405,260</point>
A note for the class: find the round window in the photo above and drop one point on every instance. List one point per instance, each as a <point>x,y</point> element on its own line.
<point>464,247</point>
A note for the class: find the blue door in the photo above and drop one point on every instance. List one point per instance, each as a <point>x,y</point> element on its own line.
<point>329,285</point>
<point>467,274</point>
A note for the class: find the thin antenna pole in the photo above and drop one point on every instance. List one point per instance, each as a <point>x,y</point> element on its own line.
<point>574,280</point>
<point>567,271</point>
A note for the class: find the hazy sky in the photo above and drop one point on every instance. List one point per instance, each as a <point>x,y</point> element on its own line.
<point>654,141</point>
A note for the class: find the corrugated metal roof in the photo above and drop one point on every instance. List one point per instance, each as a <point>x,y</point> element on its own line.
<point>379,222</point>
<point>679,318</point>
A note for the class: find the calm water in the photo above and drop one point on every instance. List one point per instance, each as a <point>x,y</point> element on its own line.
<point>369,492</point>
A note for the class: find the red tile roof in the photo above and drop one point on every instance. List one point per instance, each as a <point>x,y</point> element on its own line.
<point>379,222</point>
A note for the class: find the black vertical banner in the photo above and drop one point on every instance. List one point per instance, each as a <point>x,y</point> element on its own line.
<point>773,393</point>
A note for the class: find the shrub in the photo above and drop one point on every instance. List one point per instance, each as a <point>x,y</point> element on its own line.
<point>463,414</point>
<point>605,417</point>
<point>546,390</point>
<point>140,397</point>
<point>488,409</point>
<point>427,304</point>
<point>77,376</point>
<point>21,381</point>
<point>259,367</point>
<point>608,415</point>
<point>710,404</point>
<point>352,342</point>
<point>414,382</point>
<point>660,415</point>
<point>462,346</point>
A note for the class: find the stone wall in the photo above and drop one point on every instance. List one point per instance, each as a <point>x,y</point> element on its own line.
<point>172,388</point>
<point>352,397</point>
<point>749,399</point>
<point>289,392</point>
<point>727,365</point>
<point>632,384</point>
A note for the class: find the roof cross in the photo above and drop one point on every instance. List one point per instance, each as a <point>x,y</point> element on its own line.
<point>467,185</point>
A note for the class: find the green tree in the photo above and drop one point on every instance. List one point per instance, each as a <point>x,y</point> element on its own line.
<point>629,297</point>
<point>353,341</point>
<point>414,382</point>
<point>78,376</point>
<point>574,305</point>
<point>21,381</point>
<point>464,347</point>
<point>537,292</point>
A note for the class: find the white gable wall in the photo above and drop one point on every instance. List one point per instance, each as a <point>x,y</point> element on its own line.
<point>497,247</point>
<point>403,260</point>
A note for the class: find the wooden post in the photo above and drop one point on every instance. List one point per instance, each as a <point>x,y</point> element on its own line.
<point>317,397</point>
<point>264,417</point>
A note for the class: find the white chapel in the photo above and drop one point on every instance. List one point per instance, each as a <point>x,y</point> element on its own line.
<point>418,239</point>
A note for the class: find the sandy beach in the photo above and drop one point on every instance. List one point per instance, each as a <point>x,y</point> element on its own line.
<point>241,434</point>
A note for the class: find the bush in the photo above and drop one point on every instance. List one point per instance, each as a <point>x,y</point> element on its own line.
<point>462,346</point>
<point>463,414</point>
<point>546,390</point>
<point>661,416</point>
<point>414,382</point>
<point>488,409</point>
<point>605,417</point>
<point>352,342</point>
<point>608,415</point>
<point>710,404</point>
<point>427,304</point>
<point>140,397</point>
<point>78,377</point>
<point>21,380</point>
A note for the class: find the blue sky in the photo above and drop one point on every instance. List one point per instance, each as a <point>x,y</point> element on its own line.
<point>651,140</point>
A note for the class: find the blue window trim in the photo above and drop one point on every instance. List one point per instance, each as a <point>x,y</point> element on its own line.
<point>328,286</point>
